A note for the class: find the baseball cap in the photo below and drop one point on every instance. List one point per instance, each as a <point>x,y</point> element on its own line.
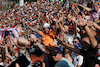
<point>38,36</point>
<point>71,27</point>
<point>46,25</point>
<point>56,50</point>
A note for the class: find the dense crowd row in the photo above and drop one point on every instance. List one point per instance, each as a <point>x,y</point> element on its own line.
<point>51,34</point>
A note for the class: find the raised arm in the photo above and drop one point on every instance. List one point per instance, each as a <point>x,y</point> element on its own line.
<point>68,46</point>
<point>96,26</point>
<point>90,24</point>
<point>89,32</point>
<point>41,46</point>
<point>61,27</point>
<point>33,29</point>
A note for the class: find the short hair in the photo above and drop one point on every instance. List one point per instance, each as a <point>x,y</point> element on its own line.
<point>22,41</point>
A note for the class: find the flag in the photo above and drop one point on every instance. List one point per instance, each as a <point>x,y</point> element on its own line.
<point>6,31</point>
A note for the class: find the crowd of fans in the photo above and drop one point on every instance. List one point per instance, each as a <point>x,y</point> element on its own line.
<point>51,34</point>
<point>6,4</point>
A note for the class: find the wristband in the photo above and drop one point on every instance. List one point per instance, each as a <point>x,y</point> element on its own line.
<point>85,25</point>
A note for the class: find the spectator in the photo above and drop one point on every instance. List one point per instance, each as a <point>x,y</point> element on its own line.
<point>86,51</point>
<point>48,25</point>
<point>97,12</point>
<point>77,59</point>
<point>62,62</point>
<point>50,37</point>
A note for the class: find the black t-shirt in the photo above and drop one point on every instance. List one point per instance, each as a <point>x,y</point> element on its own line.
<point>35,50</point>
<point>89,60</point>
<point>1,66</point>
<point>51,60</point>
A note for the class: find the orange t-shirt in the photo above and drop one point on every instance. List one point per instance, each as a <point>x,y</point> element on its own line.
<point>34,58</point>
<point>48,39</point>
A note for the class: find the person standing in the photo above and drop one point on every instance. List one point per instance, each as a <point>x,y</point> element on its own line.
<point>47,35</point>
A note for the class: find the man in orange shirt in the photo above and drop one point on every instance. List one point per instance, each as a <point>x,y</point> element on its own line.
<point>47,35</point>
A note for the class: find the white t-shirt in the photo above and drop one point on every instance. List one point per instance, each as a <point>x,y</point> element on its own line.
<point>78,60</point>
<point>2,64</point>
<point>69,38</point>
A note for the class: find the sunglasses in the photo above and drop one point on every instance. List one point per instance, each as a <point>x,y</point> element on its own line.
<point>54,54</point>
<point>75,41</point>
<point>70,30</point>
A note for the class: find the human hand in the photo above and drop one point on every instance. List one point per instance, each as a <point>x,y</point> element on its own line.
<point>81,22</point>
<point>90,22</point>
<point>73,18</point>
<point>60,19</point>
<point>33,37</point>
<point>55,19</point>
<point>58,39</point>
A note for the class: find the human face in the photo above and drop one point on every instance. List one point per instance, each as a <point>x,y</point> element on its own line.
<point>46,51</point>
<point>66,28</point>
<point>75,41</point>
<point>53,27</point>
<point>46,30</point>
<point>56,57</point>
<point>96,6</point>
<point>85,12</point>
<point>71,32</point>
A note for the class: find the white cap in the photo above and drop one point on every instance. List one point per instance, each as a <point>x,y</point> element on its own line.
<point>46,25</point>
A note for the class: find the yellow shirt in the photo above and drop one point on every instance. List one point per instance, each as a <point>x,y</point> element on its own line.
<point>48,39</point>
